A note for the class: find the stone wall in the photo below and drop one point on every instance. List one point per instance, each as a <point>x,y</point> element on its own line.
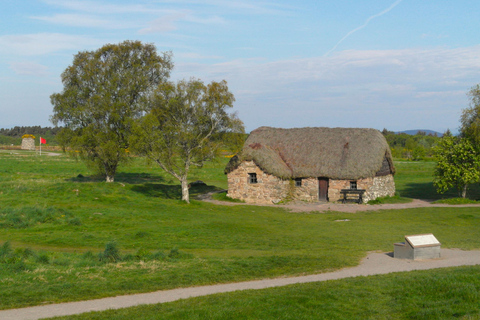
<point>28,144</point>
<point>380,187</point>
<point>308,191</point>
<point>270,189</point>
<point>375,187</point>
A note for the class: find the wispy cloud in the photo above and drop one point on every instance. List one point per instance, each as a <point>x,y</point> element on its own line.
<point>163,24</point>
<point>169,22</point>
<point>363,25</point>
<point>44,43</point>
<point>377,87</point>
<point>29,69</point>
<point>82,20</point>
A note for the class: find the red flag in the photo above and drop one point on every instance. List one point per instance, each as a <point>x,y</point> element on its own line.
<point>43,141</point>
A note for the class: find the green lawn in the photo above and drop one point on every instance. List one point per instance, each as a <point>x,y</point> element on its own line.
<point>57,218</point>
<point>414,180</point>
<point>451,293</point>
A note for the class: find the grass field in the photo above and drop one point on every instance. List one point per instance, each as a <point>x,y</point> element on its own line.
<point>414,180</point>
<point>451,293</point>
<point>57,221</point>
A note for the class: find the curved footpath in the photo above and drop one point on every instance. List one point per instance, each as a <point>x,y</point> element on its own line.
<point>374,263</point>
<point>340,207</point>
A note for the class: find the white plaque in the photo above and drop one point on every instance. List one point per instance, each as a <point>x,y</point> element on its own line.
<point>422,240</point>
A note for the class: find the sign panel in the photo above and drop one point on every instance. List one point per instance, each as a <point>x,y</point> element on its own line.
<point>422,240</point>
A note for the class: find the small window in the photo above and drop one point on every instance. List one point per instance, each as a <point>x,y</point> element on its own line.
<point>353,185</point>
<point>298,182</point>
<point>252,178</point>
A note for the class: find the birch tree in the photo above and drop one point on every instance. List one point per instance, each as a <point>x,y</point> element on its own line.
<point>186,126</point>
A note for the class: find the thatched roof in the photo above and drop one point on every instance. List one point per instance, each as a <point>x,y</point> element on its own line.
<point>336,153</point>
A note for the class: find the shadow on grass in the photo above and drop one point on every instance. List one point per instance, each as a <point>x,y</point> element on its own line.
<point>427,190</point>
<point>131,178</point>
<point>167,191</point>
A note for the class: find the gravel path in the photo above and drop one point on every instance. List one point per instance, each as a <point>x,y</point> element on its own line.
<point>340,207</point>
<point>374,263</point>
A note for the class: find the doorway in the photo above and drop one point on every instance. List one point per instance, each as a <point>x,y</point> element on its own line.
<point>323,189</point>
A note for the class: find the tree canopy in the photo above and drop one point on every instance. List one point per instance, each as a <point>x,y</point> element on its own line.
<point>104,91</point>
<point>470,119</point>
<point>186,126</point>
<point>458,164</point>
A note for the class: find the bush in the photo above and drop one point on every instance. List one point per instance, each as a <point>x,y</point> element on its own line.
<point>386,200</point>
<point>111,253</point>
<point>43,258</point>
<point>177,254</point>
<point>457,201</point>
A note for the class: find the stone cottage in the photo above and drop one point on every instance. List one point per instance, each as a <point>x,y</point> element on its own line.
<point>310,164</point>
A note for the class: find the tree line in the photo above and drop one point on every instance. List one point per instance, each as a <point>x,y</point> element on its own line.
<point>18,132</point>
<point>14,135</point>
<point>413,147</point>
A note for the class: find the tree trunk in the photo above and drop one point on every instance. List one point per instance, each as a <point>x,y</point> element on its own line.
<point>464,191</point>
<point>185,193</point>
<point>110,171</point>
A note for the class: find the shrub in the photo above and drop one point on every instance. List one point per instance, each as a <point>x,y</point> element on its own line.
<point>74,222</point>
<point>43,258</point>
<point>177,254</point>
<point>457,201</point>
<point>395,199</point>
<point>111,253</point>
<point>142,254</point>
<point>5,249</point>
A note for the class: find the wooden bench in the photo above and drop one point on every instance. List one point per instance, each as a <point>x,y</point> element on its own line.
<point>357,195</point>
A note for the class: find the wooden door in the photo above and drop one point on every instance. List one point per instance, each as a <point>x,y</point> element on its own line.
<point>323,189</point>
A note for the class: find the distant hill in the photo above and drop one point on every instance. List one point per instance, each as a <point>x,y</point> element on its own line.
<point>414,132</point>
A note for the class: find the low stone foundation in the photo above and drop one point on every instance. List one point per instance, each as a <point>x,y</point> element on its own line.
<point>271,189</point>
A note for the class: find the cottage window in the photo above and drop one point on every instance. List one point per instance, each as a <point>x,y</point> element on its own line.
<point>353,185</point>
<point>298,182</point>
<point>252,178</point>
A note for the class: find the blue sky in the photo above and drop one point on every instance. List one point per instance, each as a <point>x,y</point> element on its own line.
<point>395,64</point>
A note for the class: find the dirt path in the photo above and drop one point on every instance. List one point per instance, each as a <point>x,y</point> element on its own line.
<point>339,207</point>
<point>374,263</point>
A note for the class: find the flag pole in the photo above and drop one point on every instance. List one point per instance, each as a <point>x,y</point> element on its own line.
<point>40,145</point>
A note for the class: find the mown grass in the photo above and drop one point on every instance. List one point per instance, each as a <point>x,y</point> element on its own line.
<point>390,200</point>
<point>222,196</point>
<point>451,293</point>
<point>66,216</point>
<point>414,179</point>
<point>457,201</point>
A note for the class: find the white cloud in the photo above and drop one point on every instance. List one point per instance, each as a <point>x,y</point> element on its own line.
<point>81,20</point>
<point>163,24</point>
<point>29,68</point>
<point>44,43</point>
<point>384,88</point>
